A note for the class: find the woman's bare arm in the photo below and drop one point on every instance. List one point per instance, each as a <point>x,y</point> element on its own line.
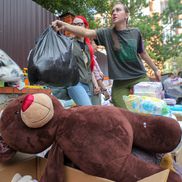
<point>144,55</point>
<point>80,31</point>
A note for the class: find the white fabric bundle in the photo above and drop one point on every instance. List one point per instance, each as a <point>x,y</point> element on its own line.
<point>18,178</point>
<point>9,70</point>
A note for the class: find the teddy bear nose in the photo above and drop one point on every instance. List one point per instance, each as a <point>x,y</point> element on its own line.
<point>27,102</point>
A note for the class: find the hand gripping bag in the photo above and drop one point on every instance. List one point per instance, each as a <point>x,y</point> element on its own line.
<point>52,62</point>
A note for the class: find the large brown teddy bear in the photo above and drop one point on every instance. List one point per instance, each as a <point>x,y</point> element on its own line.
<point>97,139</point>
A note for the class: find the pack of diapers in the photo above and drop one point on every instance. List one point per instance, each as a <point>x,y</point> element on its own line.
<point>146,105</point>
<point>152,89</point>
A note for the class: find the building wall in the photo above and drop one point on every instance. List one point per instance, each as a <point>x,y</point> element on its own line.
<point>21,23</point>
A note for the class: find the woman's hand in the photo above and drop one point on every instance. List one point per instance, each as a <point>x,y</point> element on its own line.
<point>61,26</point>
<point>157,75</point>
<point>58,25</point>
<point>101,75</point>
<point>97,90</point>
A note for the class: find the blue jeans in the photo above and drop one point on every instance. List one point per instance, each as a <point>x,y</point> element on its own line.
<point>80,93</point>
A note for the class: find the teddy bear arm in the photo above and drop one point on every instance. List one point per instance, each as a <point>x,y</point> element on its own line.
<point>155,133</point>
<point>54,170</point>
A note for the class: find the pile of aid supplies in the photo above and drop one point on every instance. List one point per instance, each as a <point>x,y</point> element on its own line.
<point>147,98</point>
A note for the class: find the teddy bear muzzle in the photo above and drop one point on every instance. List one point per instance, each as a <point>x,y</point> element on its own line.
<point>37,110</point>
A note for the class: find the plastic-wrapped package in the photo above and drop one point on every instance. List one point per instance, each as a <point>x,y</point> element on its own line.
<point>9,70</point>
<point>170,101</point>
<point>177,111</point>
<point>152,89</point>
<point>175,92</point>
<point>147,105</point>
<point>176,108</point>
<point>67,103</point>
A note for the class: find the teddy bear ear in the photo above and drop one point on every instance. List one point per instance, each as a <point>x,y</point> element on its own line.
<point>37,110</point>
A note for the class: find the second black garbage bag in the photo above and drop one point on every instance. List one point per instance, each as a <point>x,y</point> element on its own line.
<point>52,62</point>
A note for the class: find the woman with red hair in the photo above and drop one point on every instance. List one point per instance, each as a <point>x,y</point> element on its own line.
<point>84,55</point>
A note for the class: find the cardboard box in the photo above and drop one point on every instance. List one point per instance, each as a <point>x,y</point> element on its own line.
<point>26,164</point>
<point>161,176</point>
<point>74,175</point>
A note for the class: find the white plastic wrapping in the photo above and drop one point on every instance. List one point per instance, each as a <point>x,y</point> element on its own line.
<point>9,70</point>
<point>151,89</point>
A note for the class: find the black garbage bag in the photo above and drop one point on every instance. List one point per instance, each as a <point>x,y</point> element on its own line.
<point>52,62</point>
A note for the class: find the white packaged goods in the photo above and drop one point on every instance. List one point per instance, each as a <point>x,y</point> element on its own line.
<point>151,89</point>
<point>170,101</point>
<point>9,70</point>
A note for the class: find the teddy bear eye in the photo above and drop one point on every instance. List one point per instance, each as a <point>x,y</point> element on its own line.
<point>16,112</point>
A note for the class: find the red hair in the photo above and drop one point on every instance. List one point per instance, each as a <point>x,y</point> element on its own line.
<point>87,41</point>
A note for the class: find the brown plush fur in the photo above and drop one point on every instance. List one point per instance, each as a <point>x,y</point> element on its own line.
<point>98,139</point>
<point>6,152</point>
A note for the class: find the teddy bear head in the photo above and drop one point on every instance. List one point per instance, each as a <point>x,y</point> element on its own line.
<point>28,123</point>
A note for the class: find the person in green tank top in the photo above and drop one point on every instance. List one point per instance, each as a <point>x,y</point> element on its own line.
<point>125,51</point>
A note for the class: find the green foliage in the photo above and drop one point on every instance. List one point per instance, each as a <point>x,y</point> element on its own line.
<point>77,7</point>
<point>173,64</point>
<point>172,46</point>
<point>161,46</point>
<point>48,4</point>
